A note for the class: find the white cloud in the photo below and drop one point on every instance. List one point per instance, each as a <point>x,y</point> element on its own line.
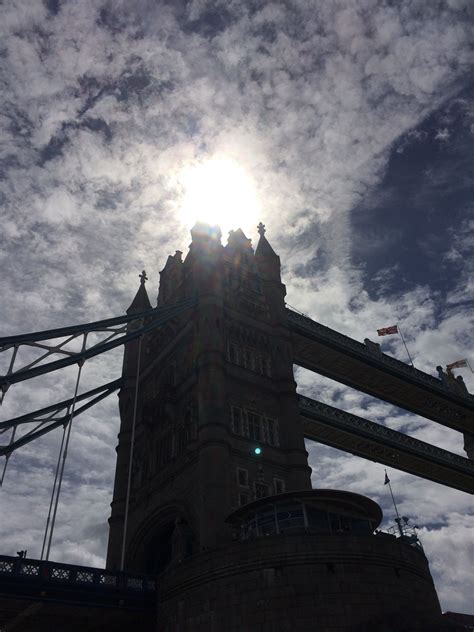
<point>102,109</point>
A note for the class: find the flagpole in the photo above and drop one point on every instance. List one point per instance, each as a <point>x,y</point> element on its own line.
<point>403,339</point>
<point>397,520</point>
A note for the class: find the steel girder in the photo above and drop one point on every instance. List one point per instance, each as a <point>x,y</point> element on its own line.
<point>111,327</point>
<point>49,418</point>
<point>365,368</point>
<point>132,327</point>
<point>342,430</point>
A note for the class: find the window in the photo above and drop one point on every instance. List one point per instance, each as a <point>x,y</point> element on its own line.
<point>279,485</point>
<point>254,426</point>
<point>237,420</point>
<point>182,439</point>
<point>345,523</point>
<point>165,449</point>
<point>317,519</point>
<point>242,477</point>
<point>334,522</point>
<point>261,490</point>
<point>263,365</point>
<point>249,358</point>
<point>243,499</point>
<point>266,522</point>
<point>271,432</point>
<point>233,353</point>
<point>290,517</point>
<point>360,525</point>
<point>170,375</point>
<point>268,370</point>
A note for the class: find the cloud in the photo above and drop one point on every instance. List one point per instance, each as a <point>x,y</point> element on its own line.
<point>105,103</point>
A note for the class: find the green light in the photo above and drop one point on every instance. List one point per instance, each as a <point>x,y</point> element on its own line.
<point>258,451</point>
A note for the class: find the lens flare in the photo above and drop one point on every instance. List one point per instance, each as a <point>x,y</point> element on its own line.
<point>219,191</point>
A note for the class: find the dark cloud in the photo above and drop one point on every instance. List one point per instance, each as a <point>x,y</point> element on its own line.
<point>53,6</point>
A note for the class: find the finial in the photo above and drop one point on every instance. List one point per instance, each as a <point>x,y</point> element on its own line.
<point>261,229</point>
<point>143,277</point>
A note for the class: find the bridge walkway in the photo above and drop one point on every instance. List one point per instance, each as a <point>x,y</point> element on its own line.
<point>40,596</point>
<point>365,368</point>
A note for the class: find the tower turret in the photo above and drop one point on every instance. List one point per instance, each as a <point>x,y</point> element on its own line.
<point>141,302</point>
<point>171,278</point>
<point>268,262</point>
<point>217,423</point>
<point>130,368</point>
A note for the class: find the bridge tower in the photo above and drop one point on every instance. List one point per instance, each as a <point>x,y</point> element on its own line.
<point>220,506</point>
<point>218,423</point>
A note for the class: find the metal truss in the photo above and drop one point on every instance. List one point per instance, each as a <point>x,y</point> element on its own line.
<point>51,417</point>
<point>373,441</point>
<point>117,331</point>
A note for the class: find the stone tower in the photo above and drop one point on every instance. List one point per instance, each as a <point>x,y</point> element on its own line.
<point>221,506</point>
<point>216,387</point>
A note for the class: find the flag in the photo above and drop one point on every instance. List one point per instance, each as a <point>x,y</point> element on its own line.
<point>457,364</point>
<point>387,480</point>
<point>385,331</point>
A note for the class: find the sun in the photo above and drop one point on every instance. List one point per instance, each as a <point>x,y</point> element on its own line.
<point>219,191</point>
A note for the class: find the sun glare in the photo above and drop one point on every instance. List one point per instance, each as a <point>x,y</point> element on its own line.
<point>219,191</point>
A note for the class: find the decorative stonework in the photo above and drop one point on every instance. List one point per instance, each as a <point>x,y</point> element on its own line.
<point>352,424</point>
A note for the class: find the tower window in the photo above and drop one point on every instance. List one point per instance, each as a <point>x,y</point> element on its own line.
<point>189,423</point>
<point>263,365</point>
<point>233,353</point>
<point>243,499</point>
<point>165,449</point>
<point>248,357</point>
<point>261,490</point>
<point>335,522</point>
<point>270,434</point>
<point>237,420</point>
<point>182,439</point>
<point>243,477</point>
<point>254,427</point>
<point>279,485</point>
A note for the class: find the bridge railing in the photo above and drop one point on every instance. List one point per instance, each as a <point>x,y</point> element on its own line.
<point>54,573</point>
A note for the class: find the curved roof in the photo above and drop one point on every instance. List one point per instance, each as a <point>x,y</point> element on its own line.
<point>330,499</point>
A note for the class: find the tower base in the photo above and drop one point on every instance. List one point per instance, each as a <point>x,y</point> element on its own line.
<point>336,582</point>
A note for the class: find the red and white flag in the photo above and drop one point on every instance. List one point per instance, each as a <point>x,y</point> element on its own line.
<point>457,364</point>
<point>386,331</point>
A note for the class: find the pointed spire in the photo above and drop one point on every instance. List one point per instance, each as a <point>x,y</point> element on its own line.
<point>266,258</point>
<point>141,302</point>
<point>264,250</point>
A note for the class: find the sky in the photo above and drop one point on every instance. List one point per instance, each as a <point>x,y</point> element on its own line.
<point>346,127</point>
